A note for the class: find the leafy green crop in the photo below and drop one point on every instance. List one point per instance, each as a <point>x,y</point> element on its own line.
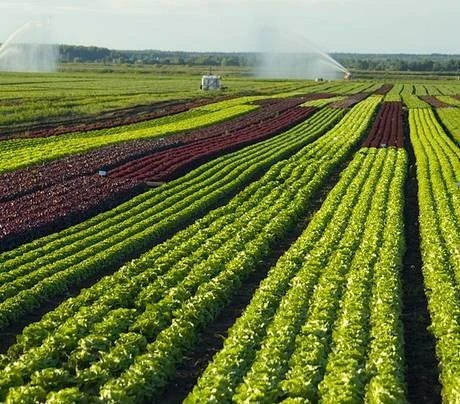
<point>305,335</point>
<point>412,101</point>
<point>438,176</point>
<point>121,339</point>
<point>450,117</point>
<point>43,268</point>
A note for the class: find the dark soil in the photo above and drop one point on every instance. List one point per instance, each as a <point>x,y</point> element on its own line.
<point>422,376</point>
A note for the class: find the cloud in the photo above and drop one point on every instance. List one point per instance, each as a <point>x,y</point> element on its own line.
<point>153,7</point>
<point>335,25</point>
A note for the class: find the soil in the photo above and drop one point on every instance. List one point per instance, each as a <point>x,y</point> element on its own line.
<point>422,376</point>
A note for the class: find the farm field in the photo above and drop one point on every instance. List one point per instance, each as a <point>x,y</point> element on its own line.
<point>277,241</point>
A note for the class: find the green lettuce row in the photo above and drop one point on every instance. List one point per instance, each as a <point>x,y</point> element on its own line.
<point>158,316</point>
<point>219,380</point>
<point>135,276</point>
<point>128,272</point>
<point>68,336</point>
<point>250,254</point>
<point>384,366</point>
<point>412,101</point>
<point>345,378</point>
<point>447,154</point>
<point>450,117</point>
<point>448,100</point>
<point>138,275</point>
<point>308,362</point>
<point>443,160</point>
<point>273,367</point>
<point>222,375</point>
<point>89,347</point>
<point>322,102</point>
<point>262,381</point>
<point>440,263</point>
<point>81,251</point>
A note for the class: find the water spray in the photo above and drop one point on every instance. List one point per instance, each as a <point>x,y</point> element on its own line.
<point>294,56</point>
<point>30,49</point>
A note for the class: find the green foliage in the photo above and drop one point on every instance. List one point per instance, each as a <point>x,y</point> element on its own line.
<point>273,350</point>
<point>412,101</point>
<point>322,102</point>
<point>438,176</point>
<point>35,271</point>
<point>33,98</point>
<point>450,117</point>
<point>455,102</point>
<point>122,338</point>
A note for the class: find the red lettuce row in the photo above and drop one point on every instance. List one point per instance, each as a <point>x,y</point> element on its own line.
<point>60,206</point>
<point>34,178</point>
<point>166,164</point>
<point>384,89</point>
<point>67,201</point>
<point>388,127</point>
<point>349,101</point>
<point>434,102</point>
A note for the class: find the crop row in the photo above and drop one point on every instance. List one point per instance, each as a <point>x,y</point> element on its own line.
<point>35,178</point>
<point>19,153</point>
<point>319,103</point>
<point>395,93</point>
<point>60,206</point>
<point>385,89</point>
<point>325,323</point>
<point>453,100</point>
<point>121,339</point>
<point>165,165</point>
<point>349,101</point>
<point>28,180</point>
<point>73,200</point>
<point>412,101</point>
<point>434,101</point>
<point>438,177</point>
<point>33,272</point>
<point>388,127</point>
<point>293,98</point>
<point>120,117</point>
<point>450,117</point>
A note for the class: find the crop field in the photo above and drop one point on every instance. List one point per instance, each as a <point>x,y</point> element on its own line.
<point>277,241</point>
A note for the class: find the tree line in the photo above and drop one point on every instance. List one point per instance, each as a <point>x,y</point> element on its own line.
<point>365,62</point>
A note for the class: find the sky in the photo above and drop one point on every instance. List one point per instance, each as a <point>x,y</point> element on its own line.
<point>364,26</point>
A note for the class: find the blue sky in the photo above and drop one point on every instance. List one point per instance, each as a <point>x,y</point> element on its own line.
<point>408,26</point>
